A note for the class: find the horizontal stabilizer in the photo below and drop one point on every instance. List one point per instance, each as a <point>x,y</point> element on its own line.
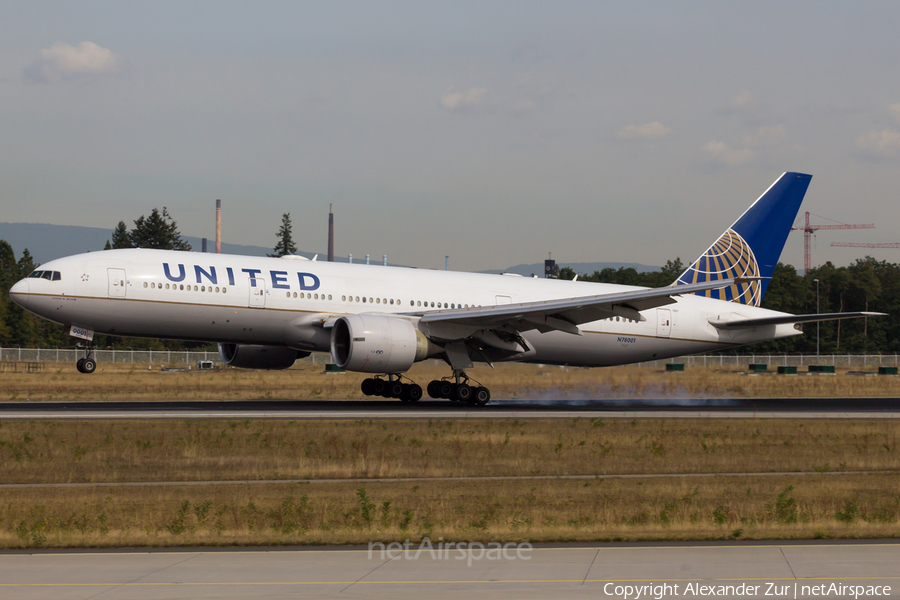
<point>786,319</point>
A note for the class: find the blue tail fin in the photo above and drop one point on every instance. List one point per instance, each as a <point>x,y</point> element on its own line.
<point>752,245</point>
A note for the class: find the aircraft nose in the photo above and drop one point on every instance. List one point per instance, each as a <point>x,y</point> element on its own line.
<point>17,292</point>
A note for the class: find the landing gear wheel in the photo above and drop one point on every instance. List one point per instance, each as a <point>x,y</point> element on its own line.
<point>434,388</point>
<point>368,386</point>
<point>414,392</point>
<point>80,365</point>
<point>89,365</point>
<point>394,389</point>
<point>463,392</point>
<point>445,390</point>
<point>378,387</point>
<point>481,396</point>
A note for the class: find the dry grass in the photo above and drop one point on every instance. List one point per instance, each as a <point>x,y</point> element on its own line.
<point>852,506</point>
<point>92,451</point>
<point>305,382</point>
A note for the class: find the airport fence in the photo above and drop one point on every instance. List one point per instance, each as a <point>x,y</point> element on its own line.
<point>786,360</point>
<point>171,357</point>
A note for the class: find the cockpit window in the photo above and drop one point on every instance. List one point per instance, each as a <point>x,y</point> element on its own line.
<point>48,275</point>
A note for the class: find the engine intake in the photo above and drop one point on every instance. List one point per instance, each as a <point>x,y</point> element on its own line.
<point>377,344</point>
<point>250,356</point>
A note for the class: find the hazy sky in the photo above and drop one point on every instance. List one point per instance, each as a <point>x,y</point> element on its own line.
<point>490,131</point>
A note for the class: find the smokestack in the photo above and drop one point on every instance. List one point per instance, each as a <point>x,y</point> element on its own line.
<point>330,234</point>
<point>218,226</point>
<point>204,245</point>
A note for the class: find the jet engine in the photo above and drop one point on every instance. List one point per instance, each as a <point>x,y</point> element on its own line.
<point>250,356</point>
<point>377,344</point>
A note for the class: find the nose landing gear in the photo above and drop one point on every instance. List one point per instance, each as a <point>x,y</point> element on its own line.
<point>86,364</point>
<point>460,390</point>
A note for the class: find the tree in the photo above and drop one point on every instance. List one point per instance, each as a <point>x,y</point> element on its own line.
<point>120,237</point>
<point>157,231</point>
<point>285,243</point>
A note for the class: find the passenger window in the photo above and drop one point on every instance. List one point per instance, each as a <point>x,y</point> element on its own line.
<point>329,296</point>
<point>364,298</point>
<point>377,300</point>
<point>145,284</point>
<point>203,288</point>
<point>419,303</point>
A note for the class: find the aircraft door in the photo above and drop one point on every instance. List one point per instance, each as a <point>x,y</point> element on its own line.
<point>117,282</point>
<point>503,300</point>
<point>663,322</point>
<point>257,293</point>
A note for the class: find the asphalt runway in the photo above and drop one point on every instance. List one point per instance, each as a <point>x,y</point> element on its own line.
<point>756,570</point>
<point>688,408</point>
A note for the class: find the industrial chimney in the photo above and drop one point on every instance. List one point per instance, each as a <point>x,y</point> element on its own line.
<point>330,234</point>
<point>218,226</point>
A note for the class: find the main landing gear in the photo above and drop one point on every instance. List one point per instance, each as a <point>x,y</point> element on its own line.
<point>461,390</point>
<point>86,364</point>
<point>392,387</point>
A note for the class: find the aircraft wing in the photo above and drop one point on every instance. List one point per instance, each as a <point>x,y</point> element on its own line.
<point>566,314</point>
<point>785,319</point>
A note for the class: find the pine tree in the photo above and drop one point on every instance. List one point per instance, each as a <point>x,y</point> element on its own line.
<point>285,243</point>
<point>157,231</point>
<point>120,237</point>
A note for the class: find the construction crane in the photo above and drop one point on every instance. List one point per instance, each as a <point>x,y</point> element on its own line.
<point>810,230</point>
<point>863,245</point>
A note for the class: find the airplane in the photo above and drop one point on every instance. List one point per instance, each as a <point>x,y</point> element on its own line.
<point>265,313</point>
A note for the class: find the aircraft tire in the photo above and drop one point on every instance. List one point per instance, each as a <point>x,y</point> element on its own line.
<point>79,364</point>
<point>89,365</point>
<point>446,390</point>
<point>378,387</point>
<point>463,392</point>
<point>434,388</point>
<point>414,392</point>
<point>481,396</point>
<point>367,386</point>
<point>394,389</point>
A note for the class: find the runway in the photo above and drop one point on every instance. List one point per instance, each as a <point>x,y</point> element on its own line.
<point>661,408</point>
<point>756,570</point>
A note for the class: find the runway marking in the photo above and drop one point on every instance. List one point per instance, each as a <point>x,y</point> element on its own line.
<point>338,550</point>
<point>38,415</point>
<point>427,479</point>
<point>441,581</point>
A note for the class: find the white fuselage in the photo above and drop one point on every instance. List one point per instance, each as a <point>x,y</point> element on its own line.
<point>270,301</point>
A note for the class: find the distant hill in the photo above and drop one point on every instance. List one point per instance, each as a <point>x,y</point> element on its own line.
<point>46,242</point>
<point>579,268</point>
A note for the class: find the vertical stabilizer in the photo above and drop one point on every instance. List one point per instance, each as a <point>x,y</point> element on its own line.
<point>752,245</point>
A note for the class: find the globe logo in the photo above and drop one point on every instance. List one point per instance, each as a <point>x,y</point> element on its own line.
<point>729,258</point>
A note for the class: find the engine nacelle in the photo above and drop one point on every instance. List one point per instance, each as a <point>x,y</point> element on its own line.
<point>250,356</point>
<point>377,344</point>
